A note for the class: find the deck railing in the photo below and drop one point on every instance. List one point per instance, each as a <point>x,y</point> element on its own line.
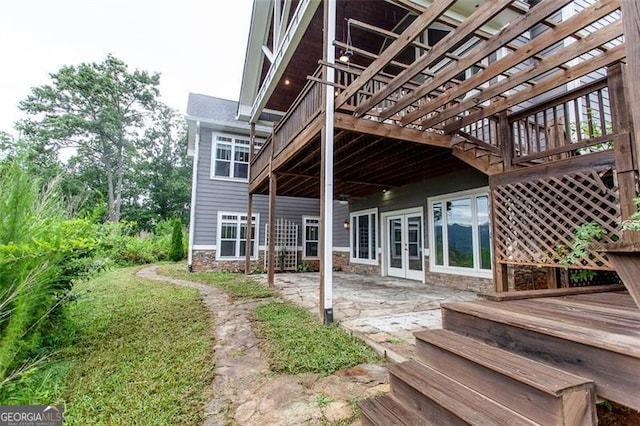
<point>574,123</point>
<point>346,74</point>
<point>304,109</point>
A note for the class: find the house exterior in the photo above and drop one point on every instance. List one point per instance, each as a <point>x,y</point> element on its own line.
<point>471,140</point>
<point>418,188</point>
<point>219,145</point>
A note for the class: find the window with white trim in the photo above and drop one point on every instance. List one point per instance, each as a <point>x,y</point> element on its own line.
<point>230,159</point>
<point>460,233</point>
<point>310,237</point>
<point>232,235</point>
<point>364,247</point>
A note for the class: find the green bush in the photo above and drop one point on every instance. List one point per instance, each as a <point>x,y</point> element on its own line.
<point>42,252</point>
<point>176,252</point>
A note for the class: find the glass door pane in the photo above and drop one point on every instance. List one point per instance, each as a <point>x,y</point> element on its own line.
<point>414,240</point>
<point>395,241</point>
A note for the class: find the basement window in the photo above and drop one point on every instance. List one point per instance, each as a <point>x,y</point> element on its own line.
<point>311,237</point>
<point>460,233</point>
<point>364,245</point>
<point>232,235</point>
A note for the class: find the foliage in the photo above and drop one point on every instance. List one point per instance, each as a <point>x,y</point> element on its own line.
<point>296,343</point>
<point>122,245</point>
<point>303,267</point>
<point>98,108</point>
<point>584,235</point>
<point>176,252</point>
<point>160,186</point>
<point>591,128</point>
<point>633,223</point>
<point>42,252</point>
<point>236,285</point>
<point>141,355</point>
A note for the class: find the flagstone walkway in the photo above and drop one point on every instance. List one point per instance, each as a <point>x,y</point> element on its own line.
<point>246,393</point>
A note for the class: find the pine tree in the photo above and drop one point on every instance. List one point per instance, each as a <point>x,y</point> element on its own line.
<point>177,249</point>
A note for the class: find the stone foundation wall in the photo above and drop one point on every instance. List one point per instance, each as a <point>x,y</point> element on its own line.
<point>205,260</point>
<point>456,282</point>
<point>529,277</point>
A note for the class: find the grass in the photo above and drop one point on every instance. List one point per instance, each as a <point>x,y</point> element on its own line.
<point>142,354</point>
<point>237,286</point>
<point>295,342</point>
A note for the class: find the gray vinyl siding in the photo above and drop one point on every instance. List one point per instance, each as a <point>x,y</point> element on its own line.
<point>416,195</point>
<point>214,195</point>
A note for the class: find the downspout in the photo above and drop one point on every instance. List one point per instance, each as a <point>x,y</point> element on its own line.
<point>194,188</point>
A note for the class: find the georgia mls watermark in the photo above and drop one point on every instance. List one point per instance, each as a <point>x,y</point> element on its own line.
<point>30,415</point>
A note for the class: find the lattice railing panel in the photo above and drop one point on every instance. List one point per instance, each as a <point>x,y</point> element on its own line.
<point>286,245</point>
<point>533,218</point>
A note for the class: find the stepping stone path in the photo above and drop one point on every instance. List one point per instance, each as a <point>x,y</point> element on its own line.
<point>245,392</point>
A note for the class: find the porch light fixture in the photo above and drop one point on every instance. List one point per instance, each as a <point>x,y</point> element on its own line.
<point>346,56</point>
<point>384,190</point>
<point>348,53</point>
<point>346,224</point>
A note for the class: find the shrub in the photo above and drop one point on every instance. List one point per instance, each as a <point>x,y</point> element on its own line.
<point>176,252</point>
<point>41,253</point>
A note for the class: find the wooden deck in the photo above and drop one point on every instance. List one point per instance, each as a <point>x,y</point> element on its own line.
<point>545,360</point>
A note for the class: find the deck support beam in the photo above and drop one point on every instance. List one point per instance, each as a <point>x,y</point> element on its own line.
<point>626,167</point>
<point>273,187</point>
<point>249,234</point>
<point>326,169</point>
<point>631,22</point>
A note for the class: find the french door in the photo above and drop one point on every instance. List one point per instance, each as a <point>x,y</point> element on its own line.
<point>404,246</point>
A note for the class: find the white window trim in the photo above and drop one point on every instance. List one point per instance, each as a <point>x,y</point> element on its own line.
<point>304,237</point>
<point>374,247</point>
<point>470,272</point>
<point>384,236</point>
<point>255,223</point>
<point>234,138</point>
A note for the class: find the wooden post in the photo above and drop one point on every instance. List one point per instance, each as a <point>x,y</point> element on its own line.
<point>249,234</point>
<point>630,19</point>
<point>326,169</point>
<point>626,169</point>
<point>273,187</point>
<point>506,140</point>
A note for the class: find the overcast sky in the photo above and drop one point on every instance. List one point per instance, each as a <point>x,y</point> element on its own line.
<point>196,45</point>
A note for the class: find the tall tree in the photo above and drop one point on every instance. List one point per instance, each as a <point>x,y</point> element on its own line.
<point>161,179</point>
<point>98,108</point>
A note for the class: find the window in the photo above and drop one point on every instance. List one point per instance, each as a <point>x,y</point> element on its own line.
<point>364,245</point>
<point>232,235</point>
<point>311,237</point>
<point>459,230</point>
<point>231,157</point>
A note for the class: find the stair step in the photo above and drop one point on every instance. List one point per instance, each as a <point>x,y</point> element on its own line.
<point>538,391</point>
<point>441,400</point>
<point>387,411</point>
<point>582,338</point>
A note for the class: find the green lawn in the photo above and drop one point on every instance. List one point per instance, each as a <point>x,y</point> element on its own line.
<point>237,286</point>
<point>142,354</point>
<point>296,342</point>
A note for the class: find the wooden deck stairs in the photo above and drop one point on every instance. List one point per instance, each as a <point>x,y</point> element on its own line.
<point>493,364</point>
<point>480,155</point>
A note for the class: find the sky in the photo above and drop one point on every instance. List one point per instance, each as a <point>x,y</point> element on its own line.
<point>196,45</point>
